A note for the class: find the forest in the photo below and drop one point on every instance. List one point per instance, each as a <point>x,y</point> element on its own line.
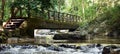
<point>98,17</point>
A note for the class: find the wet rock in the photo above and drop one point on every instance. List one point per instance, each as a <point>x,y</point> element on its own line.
<point>83,48</point>
<point>55,48</point>
<point>62,45</point>
<point>45,45</point>
<point>68,46</point>
<point>115,49</point>
<point>98,45</point>
<point>78,47</point>
<point>113,46</point>
<point>106,50</point>
<point>1,48</point>
<point>115,52</point>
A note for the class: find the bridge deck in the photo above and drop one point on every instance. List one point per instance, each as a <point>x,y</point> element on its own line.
<point>49,24</point>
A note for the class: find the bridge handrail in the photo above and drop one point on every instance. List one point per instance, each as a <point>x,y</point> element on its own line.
<point>52,15</point>
<point>62,17</point>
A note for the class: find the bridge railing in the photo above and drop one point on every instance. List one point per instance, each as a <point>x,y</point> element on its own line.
<point>51,15</point>
<point>63,17</point>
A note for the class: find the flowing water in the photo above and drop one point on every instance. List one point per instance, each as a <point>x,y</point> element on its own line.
<point>52,49</point>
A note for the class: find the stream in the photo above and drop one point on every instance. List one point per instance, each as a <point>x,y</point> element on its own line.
<point>57,49</point>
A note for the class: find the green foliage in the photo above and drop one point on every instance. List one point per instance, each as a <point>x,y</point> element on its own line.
<point>6,10</point>
<point>3,37</point>
<point>107,21</point>
<point>113,16</point>
<point>37,6</point>
<point>89,10</point>
<point>58,5</point>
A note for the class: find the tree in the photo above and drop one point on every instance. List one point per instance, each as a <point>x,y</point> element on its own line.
<point>33,6</point>
<point>2,13</point>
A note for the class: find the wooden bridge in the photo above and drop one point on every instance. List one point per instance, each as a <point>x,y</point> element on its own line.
<point>52,20</point>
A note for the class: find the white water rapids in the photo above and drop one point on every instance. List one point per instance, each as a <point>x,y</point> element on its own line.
<point>38,49</point>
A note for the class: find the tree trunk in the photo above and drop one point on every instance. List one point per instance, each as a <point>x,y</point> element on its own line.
<point>3,3</point>
<point>83,9</point>
<point>2,14</point>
